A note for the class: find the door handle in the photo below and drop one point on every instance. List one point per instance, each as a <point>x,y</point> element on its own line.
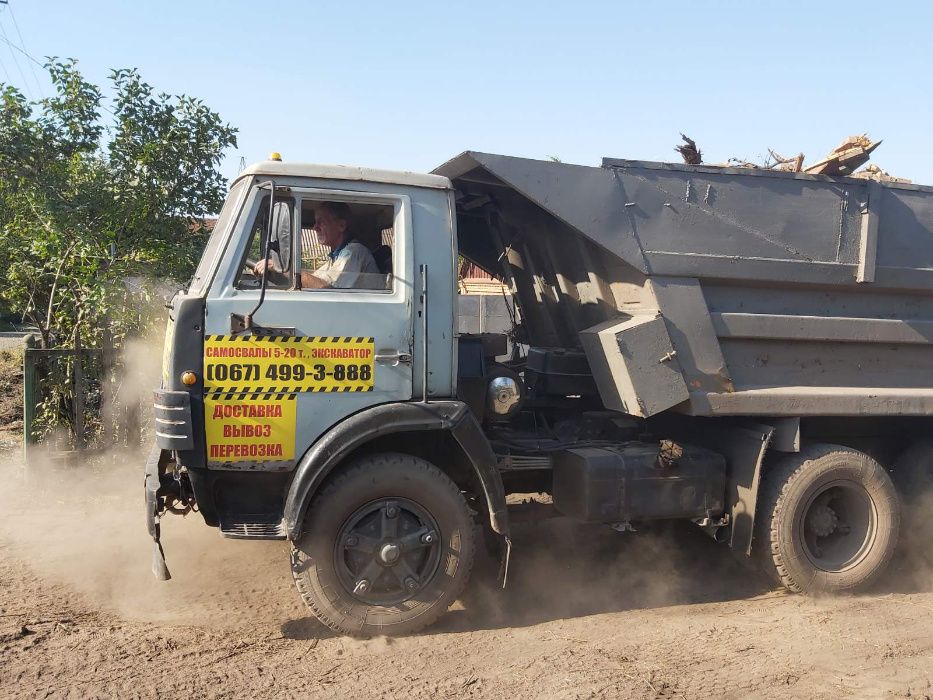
<point>393,358</point>
<point>238,325</point>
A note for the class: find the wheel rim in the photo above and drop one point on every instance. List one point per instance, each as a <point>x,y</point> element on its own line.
<point>387,551</point>
<point>838,526</point>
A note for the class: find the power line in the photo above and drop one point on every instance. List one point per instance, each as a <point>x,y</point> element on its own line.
<point>12,46</point>
<point>5,72</point>
<point>23,44</point>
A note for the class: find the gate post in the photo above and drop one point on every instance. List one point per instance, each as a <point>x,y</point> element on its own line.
<point>29,393</point>
<point>78,379</point>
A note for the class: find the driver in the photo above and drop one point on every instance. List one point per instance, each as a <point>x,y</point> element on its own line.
<point>349,263</point>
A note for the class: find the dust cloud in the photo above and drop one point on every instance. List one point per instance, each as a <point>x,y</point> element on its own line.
<point>140,370</point>
<point>80,523</point>
<point>912,568</point>
<point>562,569</point>
<point>78,519</point>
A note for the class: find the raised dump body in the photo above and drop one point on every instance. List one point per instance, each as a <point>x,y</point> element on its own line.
<point>714,291</point>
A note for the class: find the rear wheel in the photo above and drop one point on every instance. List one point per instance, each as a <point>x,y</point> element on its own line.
<point>828,520</point>
<point>387,546</point>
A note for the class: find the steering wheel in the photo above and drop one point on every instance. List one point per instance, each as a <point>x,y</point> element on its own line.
<point>249,279</point>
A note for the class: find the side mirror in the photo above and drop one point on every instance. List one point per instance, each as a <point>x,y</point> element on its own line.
<point>280,237</point>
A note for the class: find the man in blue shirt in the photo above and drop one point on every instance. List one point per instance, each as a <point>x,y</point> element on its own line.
<point>348,265</point>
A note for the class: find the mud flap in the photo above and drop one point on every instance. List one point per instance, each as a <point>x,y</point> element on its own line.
<point>159,568</point>
<point>504,564</point>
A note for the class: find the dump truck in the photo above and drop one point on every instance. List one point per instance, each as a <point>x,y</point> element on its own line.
<point>745,349</point>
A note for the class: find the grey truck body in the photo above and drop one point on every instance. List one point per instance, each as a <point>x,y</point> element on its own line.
<point>683,342</point>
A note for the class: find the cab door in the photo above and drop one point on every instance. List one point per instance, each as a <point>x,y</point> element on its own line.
<point>314,356</point>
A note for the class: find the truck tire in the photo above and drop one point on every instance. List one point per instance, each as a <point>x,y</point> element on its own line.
<point>828,520</point>
<point>386,547</point>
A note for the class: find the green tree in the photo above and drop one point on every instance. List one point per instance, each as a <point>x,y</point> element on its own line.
<point>91,194</point>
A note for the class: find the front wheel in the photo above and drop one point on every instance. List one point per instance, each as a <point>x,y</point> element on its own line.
<point>828,520</point>
<point>387,546</point>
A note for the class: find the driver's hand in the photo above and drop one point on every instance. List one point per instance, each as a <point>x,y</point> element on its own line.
<point>259,269</point>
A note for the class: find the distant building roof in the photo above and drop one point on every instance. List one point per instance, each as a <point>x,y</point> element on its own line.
<point>208,223</point>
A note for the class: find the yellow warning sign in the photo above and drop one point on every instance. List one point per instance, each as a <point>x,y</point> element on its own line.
<point>279,365</point>
<point>254,429</point>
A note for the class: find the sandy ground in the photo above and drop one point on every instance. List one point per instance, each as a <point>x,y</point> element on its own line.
<point>589,613</point>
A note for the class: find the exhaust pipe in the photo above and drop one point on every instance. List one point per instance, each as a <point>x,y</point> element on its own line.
<point>718,530</point>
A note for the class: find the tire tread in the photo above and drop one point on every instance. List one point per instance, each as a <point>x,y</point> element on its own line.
<point>386,461</point>
<point>776,486</point>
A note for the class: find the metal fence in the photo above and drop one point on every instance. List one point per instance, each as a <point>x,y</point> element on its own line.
<point>76,372</point>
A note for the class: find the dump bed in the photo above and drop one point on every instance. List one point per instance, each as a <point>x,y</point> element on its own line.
<point>778,294</point>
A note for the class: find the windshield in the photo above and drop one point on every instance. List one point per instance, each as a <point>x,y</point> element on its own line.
<point>215,242</point>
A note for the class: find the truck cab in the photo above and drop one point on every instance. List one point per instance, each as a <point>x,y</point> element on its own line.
<point>251,419</point>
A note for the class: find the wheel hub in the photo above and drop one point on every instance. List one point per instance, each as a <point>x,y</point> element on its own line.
<point>822,520</point>
<point>838,526</point>
<point>387,551</point>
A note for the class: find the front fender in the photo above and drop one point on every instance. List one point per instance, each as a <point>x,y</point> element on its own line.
<point>341,440</point>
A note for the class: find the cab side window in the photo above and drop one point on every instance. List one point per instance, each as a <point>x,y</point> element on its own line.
<point>346,245</point>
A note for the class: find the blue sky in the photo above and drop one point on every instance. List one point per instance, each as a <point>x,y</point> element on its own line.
<point>409,85</point>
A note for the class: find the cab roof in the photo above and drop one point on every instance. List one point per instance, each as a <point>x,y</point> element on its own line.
<point>275,168</point>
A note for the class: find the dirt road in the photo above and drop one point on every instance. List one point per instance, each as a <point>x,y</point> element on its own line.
<point>589,613</point>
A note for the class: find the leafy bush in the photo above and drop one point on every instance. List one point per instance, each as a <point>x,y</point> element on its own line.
<point>87,201</point>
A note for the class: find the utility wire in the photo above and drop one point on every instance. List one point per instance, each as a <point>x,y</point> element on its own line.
<point>12,46</point>
<point>23,44</point>
<point>5,72</point>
